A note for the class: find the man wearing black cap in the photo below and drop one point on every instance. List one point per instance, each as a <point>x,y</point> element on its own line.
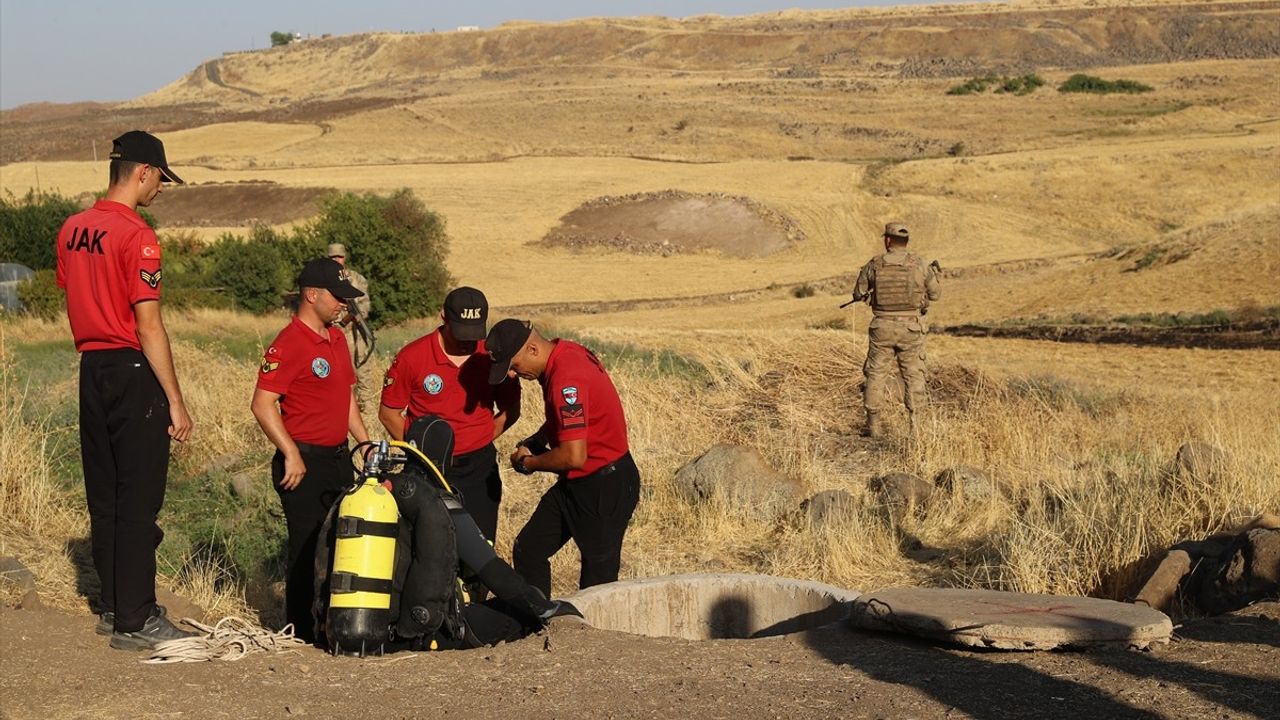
<point>130,403</point>
<point>305,381</point>
<point>583,441</point>
<point>446,373</point>
<point>899,287</point>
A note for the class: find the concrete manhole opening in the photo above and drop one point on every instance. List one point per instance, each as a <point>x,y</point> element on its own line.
<point>708,606</point>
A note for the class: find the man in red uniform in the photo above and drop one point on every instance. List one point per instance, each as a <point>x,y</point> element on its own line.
<point>130,401</point>
<point>306,404</point>
<point>446,373</point>
<point>583,441</point>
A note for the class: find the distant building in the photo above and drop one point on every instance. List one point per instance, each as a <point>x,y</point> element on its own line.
<point>468,28</point>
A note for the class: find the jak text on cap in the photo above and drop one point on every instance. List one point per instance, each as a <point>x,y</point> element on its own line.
<point>466,311</point>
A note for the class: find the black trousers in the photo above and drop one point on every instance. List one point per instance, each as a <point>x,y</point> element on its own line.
<point>124,448</point>
<point>328,474</point>
<point>594,511</point>
<point>474,476</point>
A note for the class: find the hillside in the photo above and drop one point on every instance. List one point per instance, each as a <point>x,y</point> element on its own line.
<point>835,121</point>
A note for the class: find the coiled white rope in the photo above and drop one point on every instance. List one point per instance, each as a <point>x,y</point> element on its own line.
<point>231,639</point>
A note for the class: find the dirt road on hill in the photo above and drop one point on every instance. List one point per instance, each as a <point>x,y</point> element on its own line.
<point>53,666</point>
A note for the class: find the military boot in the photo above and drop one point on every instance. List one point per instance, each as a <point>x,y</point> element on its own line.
<point>874,427</point>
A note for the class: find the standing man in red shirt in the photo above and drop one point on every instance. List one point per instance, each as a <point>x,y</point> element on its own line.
<point>306,404</point>
<point>130,401</point>
<point>583,441</point>
<point>446,373</point>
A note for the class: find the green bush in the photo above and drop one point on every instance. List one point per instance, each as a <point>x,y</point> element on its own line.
<point>397,243</point>
<point>1022,85</point>
<point>29,228</point>
<point>974,85</point>
<point>252,271</point>
<point>41,295</point>
<point>281,38</point>
<point>1090,84</point>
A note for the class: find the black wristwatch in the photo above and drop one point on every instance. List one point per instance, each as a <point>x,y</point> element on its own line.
<point>520,468</point>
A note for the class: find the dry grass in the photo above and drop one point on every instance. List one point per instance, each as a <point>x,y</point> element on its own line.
<point>1042,185</point>
<point>1082,464</point>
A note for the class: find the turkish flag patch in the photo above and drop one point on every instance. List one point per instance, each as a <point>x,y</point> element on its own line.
<point>150,252</point>
<point>573,416</point>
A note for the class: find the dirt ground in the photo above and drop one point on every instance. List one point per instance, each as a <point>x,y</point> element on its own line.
<point>237,204</point>
<point>1223,667</point>
<point>675,222</point>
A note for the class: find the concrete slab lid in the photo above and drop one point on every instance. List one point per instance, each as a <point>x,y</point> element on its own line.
<point>1009,620</point>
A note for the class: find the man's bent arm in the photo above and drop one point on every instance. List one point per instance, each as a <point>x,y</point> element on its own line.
<point>568,455</point>
<point>393,420</point>
<point>154,340</point>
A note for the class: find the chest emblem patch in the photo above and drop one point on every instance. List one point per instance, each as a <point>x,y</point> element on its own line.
<point>320,367</point>
<point>433,384</point>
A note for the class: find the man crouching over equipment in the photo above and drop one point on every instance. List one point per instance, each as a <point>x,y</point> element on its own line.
<point>583,441</point>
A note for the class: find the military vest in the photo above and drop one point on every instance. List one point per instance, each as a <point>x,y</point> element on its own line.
<point>898,287</point>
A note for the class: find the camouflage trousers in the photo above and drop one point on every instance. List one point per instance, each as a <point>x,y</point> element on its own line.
<point>900,342</point>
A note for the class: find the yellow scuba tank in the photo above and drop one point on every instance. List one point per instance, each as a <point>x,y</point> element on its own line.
<point>364,557</point>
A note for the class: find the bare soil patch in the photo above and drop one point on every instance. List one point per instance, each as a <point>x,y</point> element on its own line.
<point>674,221</point>
<point>52,665</point>
<point>235,204</point>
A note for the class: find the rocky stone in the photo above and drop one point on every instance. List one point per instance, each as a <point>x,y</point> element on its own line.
<point>1196,462</point>
<point>178,607</point>
<point>30,600</point>
<point>963,481</point>
<point>222,463</point>
<point>1008,620</point>
<point>901,491</point>
<point>738,474</point>
<point>1247,571</point>
<point>12,571</point>
<point>1161,588</point>
<point>245,485</point>
<point>829,507</point>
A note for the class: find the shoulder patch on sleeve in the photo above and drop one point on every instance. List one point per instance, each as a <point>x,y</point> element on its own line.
<point>269,366</point>
<point>572,417</point>
<point>150,252</point>
<point>151,279</point>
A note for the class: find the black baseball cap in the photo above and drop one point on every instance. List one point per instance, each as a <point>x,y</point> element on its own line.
<point>143,147</point>
<point>328,274</point>
<point>466,311</point>
<point>504,341</point>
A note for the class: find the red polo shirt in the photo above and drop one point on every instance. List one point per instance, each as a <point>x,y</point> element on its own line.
<point>108,261</point>
<point>314,376</point>
<point>423,379</point>
<point>582,403</point>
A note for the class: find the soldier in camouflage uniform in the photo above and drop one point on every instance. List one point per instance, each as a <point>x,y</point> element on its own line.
<point>899,287</point>
<point>338,253</point>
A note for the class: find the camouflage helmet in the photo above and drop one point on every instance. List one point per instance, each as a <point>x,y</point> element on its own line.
<point>897,230</point>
